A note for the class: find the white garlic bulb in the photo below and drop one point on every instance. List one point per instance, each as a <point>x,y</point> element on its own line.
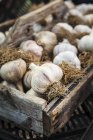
<point>64,46</point>
<point>46,39</point>
<point>82,29</point>
<point>13,71</point>
<point>2,38</point>
<point>27,79</point>
<point>60,27</point>
<point>84,8</point>
<point>68,57</point>
<point>86,43</point>
<point>31,46</point>
<point>37,27</point>
<point>45,75</point>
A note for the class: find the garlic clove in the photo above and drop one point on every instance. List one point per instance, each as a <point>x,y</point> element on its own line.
<point>64,46</point>
<point>68,57</point>
<point>27,79</point>
<point>46,39</point>
<point>82,29</point>
<point>86,43</point>
<point>2,38</point>
<point>31,46</point>
<point>44,76</point>
<point>13,71</point>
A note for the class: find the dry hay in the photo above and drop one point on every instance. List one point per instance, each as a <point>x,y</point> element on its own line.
<point>46,56</point>
<point>56,89</point>
<point>86,59</point>
<point>70,73</point>
<point>8,54</point>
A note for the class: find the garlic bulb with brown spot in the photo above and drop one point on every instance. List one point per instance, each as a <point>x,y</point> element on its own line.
<point>64,46</point>
<point>46,39</point>
<point>44,76</point>
<point>2,38</point>
<point>74,17</point>
<point>86,43</point>
<point>68,57</point>
<point>13,71</point>
<point>27,79</point>
<point>89,19</point>
<point>82,29</point>
<point>31,46</point>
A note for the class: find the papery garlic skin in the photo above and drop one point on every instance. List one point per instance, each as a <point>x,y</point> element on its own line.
<point>60,26</point>
<point>44,76</point>
<point>31,92</point>
<point>27,79</point>
<point>13,71</point>
<point>64,46</point>
<point>82,29</point>
<point>2,38</point>
<point>46,39</point>
<point>89,19</point>
<point>84,8</point>
<point>5,83</point>
<point>86,43</point>
<point>37,27</point>
<point>68,57</point>
<point>31,46</point>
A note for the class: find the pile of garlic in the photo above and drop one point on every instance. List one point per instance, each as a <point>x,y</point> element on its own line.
<point>62,44</point>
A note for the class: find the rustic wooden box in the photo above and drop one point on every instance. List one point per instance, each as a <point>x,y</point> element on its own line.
<point>35,113</point>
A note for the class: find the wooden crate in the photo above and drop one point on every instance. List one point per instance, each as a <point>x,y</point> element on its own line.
<point>35,113</point>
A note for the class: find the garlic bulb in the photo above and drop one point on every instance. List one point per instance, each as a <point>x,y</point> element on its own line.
<point>85,8</point>
<point>2,38</point>
<point>89,19</point>
<point>48,19</point>
<point>13,71</point>
<point>86,43</point>
<point>80,29</point>
<point>59,28</point>
<point>27,79</point>
<point>37,27</point>
<point>74,17</point>
<point>31,46</point>
<point>45,75</point>
<point>46,39</point>
<point>68,57</point>
<point>64,46</point>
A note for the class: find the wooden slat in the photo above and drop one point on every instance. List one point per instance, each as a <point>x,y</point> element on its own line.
<point>31,106</point>
<point>22,30</point>
<point>57,117</point>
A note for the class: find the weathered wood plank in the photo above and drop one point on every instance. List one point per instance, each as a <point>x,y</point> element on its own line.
<point>22,30</point>
<point>57,116</point>
<point>31,106</point>
<point>10,113</point>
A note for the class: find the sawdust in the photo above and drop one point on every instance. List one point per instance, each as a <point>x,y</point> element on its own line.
<point>8,54</point>
<point>70,73</point>
<point>56,89</point>
<point>86,59</point>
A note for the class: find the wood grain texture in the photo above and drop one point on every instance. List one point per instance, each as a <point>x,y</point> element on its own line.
<point>59,114</point>
<point>22,29</point>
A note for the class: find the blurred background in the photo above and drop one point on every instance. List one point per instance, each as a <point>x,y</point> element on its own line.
<point>11,9</point>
